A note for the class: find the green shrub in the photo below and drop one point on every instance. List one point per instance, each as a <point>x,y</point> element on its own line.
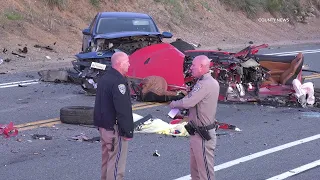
<point>95,3</point>
<point>13,15</point>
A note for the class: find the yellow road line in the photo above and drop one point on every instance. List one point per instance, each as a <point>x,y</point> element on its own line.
<point>40,125</point>
<point>312,75</point>
<point>54,121</point>
<point>148,106</point>
<point>143,104</point>
<point>37,122</point>
<point>312,78</point>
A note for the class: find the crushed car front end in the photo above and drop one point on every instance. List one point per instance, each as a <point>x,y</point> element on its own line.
<point>91,65</point>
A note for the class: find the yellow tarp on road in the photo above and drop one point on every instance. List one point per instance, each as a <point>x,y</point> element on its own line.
<point>158,126</point>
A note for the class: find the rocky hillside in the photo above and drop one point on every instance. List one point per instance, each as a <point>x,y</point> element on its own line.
<point>212,23</point>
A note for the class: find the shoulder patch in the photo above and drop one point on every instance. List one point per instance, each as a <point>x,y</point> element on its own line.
<point>196,88</point>
<point>122,88</point>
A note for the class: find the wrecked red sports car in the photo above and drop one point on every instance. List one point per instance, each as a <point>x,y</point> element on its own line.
<point>243,76</point>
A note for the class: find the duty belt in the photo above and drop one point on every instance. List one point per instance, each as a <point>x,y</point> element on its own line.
<point>209,127</point>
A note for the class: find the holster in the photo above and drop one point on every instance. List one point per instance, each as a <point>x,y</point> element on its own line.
<point>190,129</point>
<point>202,131</point>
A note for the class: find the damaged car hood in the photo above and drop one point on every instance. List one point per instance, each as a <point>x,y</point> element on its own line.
<point>95,55</point>
<point>126,34</point>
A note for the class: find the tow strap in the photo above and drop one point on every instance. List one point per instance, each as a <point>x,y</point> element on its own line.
<point>8,130</point>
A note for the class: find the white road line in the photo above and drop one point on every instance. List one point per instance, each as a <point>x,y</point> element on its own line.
<point>295,52</point>
<point>296,171</point>
<point>19,82</point>
<point>15,85</point>
<point>258,154</point>
<point>291,52</point>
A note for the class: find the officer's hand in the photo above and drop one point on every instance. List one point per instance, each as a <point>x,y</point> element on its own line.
<point>171,105</point>
<point>184,92</point>
<point>127,139</point>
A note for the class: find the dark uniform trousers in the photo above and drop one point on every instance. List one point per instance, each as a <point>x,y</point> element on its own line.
<point>113,162</point>
<point>202,157</point>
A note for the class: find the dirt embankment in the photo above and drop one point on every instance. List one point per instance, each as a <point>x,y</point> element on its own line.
<point>58,24</point>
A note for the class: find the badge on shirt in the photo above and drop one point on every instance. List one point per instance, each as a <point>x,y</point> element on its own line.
<point>122,88</point>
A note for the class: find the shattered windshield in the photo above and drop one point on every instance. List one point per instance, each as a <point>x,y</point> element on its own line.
<point>111,25</point>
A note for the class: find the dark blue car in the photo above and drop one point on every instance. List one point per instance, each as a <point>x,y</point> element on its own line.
<point>119,24</point>
<point>108,33</point>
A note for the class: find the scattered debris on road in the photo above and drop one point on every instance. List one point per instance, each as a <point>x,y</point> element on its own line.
<point>44,47</point>
<point>5,50</point>
<point>14,151</point>
<point>22,85</point>
<point>16,54</point>
<point>156,153</point>
<point>8,130</point>
<point>54,75</point>
<point>24,50</point>
<point>41,137</point>
<point>80,137</point>
<point>7,60</point>
<point>83,137</point>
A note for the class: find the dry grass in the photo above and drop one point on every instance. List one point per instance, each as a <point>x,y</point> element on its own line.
<point>61,4</point>
<point>286,8</point>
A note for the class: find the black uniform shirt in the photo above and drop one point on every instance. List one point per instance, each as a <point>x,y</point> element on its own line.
<point>113,103</point>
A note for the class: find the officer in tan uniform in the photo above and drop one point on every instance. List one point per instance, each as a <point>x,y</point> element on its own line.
<point>202,104</point>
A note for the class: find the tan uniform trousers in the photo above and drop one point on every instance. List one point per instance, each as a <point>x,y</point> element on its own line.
<point>113,162</point>
<point>202,157</point>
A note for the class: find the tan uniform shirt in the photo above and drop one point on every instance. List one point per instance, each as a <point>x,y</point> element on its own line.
<point>205,94</point>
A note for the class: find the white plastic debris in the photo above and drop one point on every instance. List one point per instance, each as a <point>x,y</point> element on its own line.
<point>48,57</point>
<point>240,89</point>
<point>1,61</point>
<point>302,90</point>
<point>91,81</point>
<point>156,153</point>
<point>173,113</point>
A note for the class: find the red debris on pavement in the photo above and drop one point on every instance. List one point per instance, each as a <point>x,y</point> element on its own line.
<point>8,130</point>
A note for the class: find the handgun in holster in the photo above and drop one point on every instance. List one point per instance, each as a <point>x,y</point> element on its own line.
<point>190,129</point>
<point>202,131</point>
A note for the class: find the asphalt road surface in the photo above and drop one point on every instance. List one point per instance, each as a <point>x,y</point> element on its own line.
<point>274,143</point>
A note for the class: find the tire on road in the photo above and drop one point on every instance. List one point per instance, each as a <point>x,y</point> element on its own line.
<point>77,115</point>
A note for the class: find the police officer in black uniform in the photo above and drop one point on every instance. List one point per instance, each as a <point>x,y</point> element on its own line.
<point>113,117</point>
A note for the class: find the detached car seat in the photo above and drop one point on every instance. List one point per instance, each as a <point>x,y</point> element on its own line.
<point>292,72</point>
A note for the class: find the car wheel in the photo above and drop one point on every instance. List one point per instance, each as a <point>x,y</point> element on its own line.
<point>77,115</point>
